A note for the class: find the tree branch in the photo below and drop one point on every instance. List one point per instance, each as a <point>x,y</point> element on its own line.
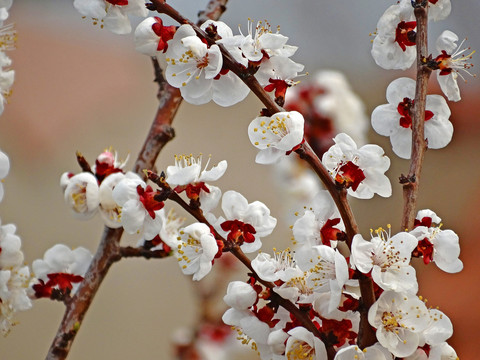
<point>419,146</point>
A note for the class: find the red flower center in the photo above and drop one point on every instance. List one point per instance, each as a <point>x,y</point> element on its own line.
<point>443,63</point>
<point>350,175</point>
<point>405,34</point>
<point>146,197</point>
<point>328,232</point>
<point>62,280</point>
<point>192,190</point>
<point>164,33</point>
<point>405,108</point>
<point>118,2</point>
<point>425,247</point>
<point>239,231</point>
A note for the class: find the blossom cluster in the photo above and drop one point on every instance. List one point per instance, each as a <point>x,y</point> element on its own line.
<point>324,284</point>
<point>14,275</point>
<point>197,66</point>
<point>307,301</point>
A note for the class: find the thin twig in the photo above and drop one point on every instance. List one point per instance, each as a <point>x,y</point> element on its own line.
<point>419,146</point>
<point>129,251</point>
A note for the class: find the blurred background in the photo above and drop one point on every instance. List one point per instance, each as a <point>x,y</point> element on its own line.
<point>78,87</point>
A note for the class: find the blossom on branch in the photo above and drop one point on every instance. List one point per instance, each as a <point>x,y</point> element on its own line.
<point>276,136</point>
<point>139,207</point>
<point>387,258</point>
<point>399,318</point>
<point>81,195</point>
<point>151,36</point>
<point>437,245</point>
<point>449,63</point>
<point>394,44</point>
<point>187,175</point>
<point>395,118</point>
<point>196,250</point>
<point>196,69</point>
<point>113,14</point>
<point>60,271</point>
<point>14,278</point>
<point>361,171</point>
<point>244,224</point>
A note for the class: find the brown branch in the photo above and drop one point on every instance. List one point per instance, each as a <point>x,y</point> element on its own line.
<point>129,251</point>
<point>419,146</point>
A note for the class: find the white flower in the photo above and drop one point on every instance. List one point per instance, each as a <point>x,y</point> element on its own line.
<point>399,319</point>
<point>264,40</point>
<point>388,258</point>
<point>361,171</point>
<point>188,170</point>
<point>11,254</point>
<point>320,225</point>
<point>228,88</point>
<point>443,351</point>
<point>196,251</point>
<point>302,344</point>
<point>440,328</point>
<point>139,207</point>
<point>451,60</point>
<point>394,119</point>
<point>245,223</point>
<point>276,135</point>
<point>353,352</point>
<point>6,77</point>
<point>274,268</point>
<point>13,295</point>
<point>61,268</point>
<point>151,36</point>
<point>434,244</point>
<point>328,273</point>
<point>112,13</point>
<point>109,209</point>
<point>4,169</point>
<point>193,68</point>
<point>394,44</point>
<point>240,295</point>
<point>81,195</point>
<point>277,73</point>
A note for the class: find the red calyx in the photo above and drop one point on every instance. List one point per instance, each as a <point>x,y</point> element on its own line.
<point>118,2</point>
<point>442,63</point>
<point>350,175</point>
<point>62,280</point>
<point>328,232</point>
<point>425,247</point>
<point>164,33</point>
<point>239,231</point>
<point>340,329</point>
<point>405,108</point>
<point>192,190</point>
<point>405,34</point>
<point>147,199</point>
<point>426,221</point>
<point>280,87</point>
